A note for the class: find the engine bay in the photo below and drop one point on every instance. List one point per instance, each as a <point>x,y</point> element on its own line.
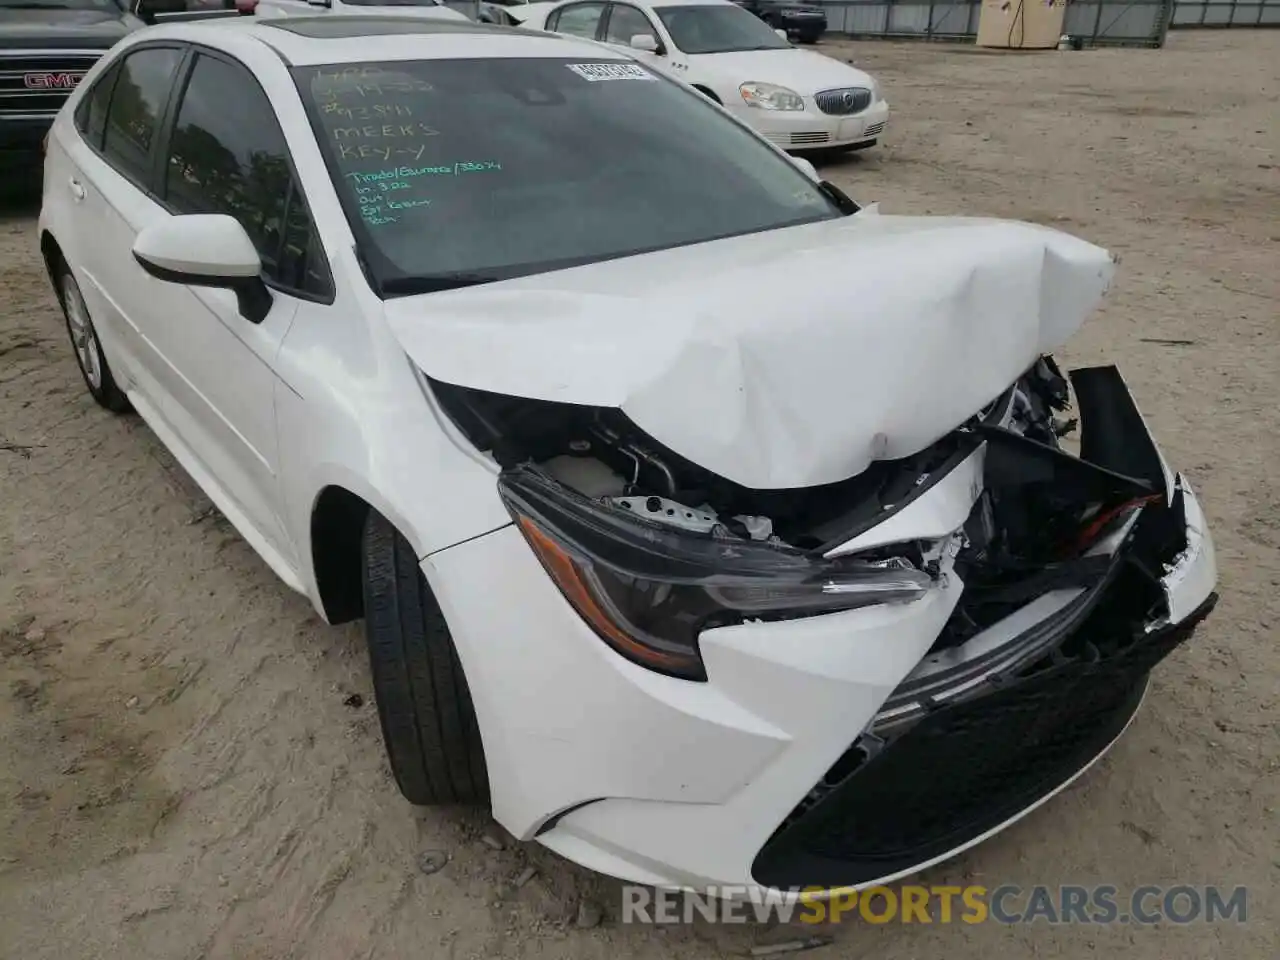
<point>1039,510</point>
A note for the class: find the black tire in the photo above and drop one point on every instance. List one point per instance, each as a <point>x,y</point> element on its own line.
<point>85,344</point>
<point>424,705</point>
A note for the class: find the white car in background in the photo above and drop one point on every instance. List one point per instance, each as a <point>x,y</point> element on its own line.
<point>798,99</point>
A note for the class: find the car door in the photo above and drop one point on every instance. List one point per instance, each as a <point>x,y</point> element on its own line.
<point>109,179</point>
<point>584,20</point>
<point>220,364</point>
<point>204,371</point>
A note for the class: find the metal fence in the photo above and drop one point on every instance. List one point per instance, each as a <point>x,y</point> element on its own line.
<point>1129,23</point>
<point>1226,13</point>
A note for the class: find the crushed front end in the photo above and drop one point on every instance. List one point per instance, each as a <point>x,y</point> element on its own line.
<point>1078,580</point>
<point>840,685</point>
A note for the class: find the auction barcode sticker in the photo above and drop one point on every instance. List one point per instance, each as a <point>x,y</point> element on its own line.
<point>610,71</point>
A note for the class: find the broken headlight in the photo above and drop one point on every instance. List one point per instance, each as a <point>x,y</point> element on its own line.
<point>648,590</point>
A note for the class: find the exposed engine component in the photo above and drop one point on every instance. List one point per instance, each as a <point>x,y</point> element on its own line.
<point>587,475</point>
<point>1026,407</point>
<point>1037,513</point>
<point>661,510</point>
<point>517,431</point>
<point>704,520</point>
<point>643,460</point>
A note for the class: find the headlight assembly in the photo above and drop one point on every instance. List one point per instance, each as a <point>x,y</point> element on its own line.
<point>770,96</point>
<point>648,590</point>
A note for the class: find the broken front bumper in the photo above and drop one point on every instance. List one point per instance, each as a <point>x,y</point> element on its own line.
<point>911,795</point>
<point>835,750</point>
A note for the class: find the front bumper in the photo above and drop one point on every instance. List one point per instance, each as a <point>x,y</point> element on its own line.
<point>803,760</point>
<point>811,129</point>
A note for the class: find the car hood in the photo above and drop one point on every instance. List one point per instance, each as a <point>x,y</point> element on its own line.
<point>75,29</point>
<point>803,71</point>
<point>783,359</point>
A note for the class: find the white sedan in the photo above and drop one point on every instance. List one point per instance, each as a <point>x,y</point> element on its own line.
<point>799,99</point>
<point>681,560</point>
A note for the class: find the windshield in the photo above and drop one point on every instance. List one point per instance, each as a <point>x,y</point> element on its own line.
<point>718,29</point>
<point>455,172</point>
<point>99,6</point>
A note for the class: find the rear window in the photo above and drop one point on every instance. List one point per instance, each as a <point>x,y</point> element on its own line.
<point>465,171</point>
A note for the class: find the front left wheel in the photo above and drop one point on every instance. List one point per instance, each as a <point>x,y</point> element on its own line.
<point>429,726</point>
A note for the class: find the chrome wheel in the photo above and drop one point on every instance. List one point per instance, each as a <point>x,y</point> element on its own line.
<point>83,337</point>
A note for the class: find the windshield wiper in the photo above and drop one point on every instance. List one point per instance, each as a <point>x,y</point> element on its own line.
<point>842,200</point>
<point>408,286</point>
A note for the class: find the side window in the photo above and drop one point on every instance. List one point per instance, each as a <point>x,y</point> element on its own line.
<point>579,20</point>
<point>91,115</point>
<point>137,100</point>
<point>626,22</point>
<point>235,161</point>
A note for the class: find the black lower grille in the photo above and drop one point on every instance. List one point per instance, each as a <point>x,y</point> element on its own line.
<point>964,769</point>
<point>843,103</point>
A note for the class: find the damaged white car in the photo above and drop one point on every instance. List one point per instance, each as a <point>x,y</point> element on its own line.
<point>694,565</point>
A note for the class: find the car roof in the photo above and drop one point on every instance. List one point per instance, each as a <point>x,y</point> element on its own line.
<point>310,41</point>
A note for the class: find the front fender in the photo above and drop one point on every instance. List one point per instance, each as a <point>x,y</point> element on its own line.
<point>352,412</point>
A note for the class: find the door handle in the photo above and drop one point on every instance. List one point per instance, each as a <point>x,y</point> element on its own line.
<point>76,188</point>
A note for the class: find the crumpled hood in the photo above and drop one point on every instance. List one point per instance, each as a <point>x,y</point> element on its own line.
<point>803,71</point>
<point>782,359</point>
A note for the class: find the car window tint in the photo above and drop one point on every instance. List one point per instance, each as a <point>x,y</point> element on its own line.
<point>137,100</point>
<point>626,22</point>
<point>579,20</point>
<point>235,161</point>
<point>91,116</point>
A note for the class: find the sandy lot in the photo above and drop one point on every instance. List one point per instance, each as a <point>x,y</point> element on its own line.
<point>183,770</point>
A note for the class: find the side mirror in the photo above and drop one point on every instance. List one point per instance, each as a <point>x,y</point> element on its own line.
<point>807,168</point>
<point>782,34</point>
<point>206,250</point>
<point>644,42</point>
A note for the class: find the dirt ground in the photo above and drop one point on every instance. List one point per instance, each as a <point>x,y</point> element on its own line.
<point>184,772</point>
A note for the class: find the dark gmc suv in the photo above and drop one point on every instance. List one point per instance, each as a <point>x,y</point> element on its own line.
<point>46,46</point>
<point>805,22</point>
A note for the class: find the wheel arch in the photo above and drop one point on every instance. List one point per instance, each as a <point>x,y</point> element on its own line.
<point>338,518</point>
<point>52,254</point>
<point>707,92</point>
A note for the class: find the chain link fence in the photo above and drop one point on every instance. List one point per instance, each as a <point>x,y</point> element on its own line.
<point>1226,13</point>
<point>1134,23</point>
